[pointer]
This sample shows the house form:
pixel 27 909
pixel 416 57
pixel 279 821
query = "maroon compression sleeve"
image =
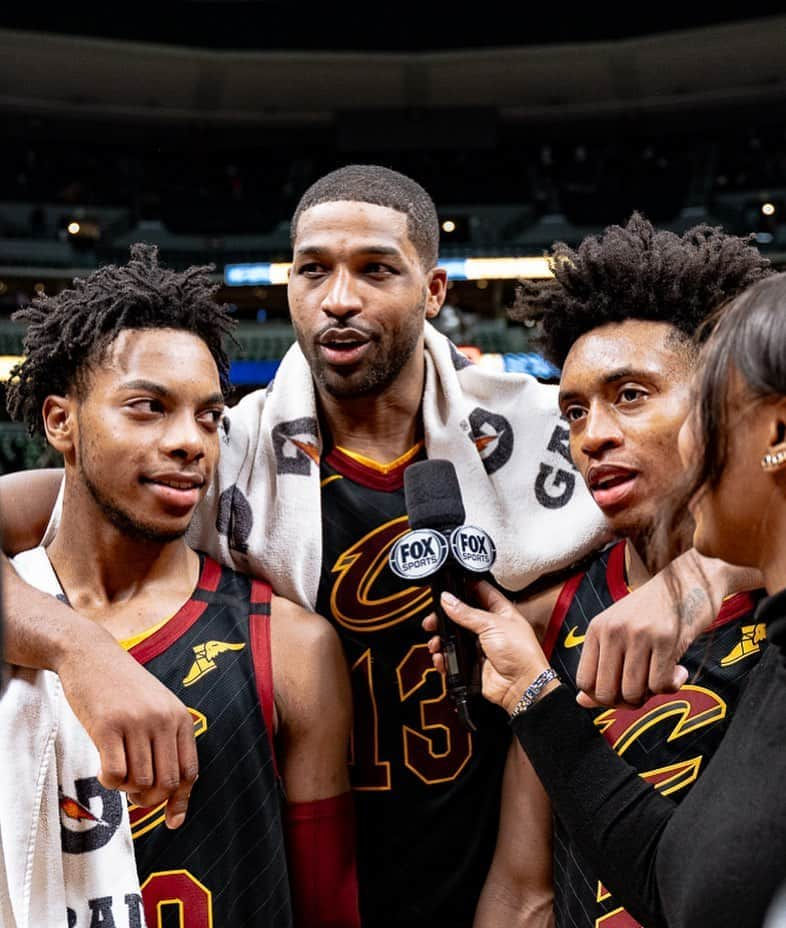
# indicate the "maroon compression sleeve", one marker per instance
pixel 320 839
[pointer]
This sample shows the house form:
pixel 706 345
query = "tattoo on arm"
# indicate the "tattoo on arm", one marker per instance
pixel 692 604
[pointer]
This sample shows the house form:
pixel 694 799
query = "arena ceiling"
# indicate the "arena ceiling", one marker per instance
pixel 261 64
pixel 402 26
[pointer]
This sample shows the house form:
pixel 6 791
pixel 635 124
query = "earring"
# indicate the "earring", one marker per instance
pixel 773 461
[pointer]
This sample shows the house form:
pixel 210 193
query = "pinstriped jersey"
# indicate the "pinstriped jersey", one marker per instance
pixel 226 864
pixel 669 739
pixel 426 790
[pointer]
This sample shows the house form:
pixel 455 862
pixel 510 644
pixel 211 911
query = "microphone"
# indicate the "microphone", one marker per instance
pixel 441 547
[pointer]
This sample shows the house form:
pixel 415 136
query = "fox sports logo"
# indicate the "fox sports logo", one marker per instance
pixel 418 554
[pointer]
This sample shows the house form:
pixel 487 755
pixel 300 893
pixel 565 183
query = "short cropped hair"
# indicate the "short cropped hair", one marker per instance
pixel 371 183
pixel 69 334
pixel 637 272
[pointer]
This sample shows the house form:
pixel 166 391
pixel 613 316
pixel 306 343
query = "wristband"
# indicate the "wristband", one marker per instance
pixel 533 691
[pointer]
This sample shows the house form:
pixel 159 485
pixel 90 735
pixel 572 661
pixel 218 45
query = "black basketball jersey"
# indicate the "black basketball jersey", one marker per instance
pixel 226 865
pixel 426 790
pixel 669 739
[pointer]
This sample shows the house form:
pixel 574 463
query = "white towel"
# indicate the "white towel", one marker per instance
pixel 65 841
pixel 502 431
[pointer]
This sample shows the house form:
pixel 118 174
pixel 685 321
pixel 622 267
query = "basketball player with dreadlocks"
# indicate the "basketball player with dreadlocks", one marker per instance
pixel 125 376
pixel 619 318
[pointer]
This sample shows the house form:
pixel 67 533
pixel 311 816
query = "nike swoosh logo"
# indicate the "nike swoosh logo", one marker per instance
pixel 572 640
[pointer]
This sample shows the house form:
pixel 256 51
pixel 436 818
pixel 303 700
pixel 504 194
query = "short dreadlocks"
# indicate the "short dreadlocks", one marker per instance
pixel 636 272
pixel 69 334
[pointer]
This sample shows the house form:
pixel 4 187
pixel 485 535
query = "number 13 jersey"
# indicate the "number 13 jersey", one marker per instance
pixel 426 790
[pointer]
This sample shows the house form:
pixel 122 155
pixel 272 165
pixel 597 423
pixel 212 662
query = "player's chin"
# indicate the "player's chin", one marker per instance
pixel 625 521
pixel 163 530
pixel 346 383
pixel 165 538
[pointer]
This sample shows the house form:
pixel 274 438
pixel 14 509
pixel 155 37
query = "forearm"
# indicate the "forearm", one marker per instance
pixel 633 648
pixel 518 890
pixel 697 586
pixel 615 818
pixel 728 579
pixel 500 904
pixel 39 631
pixel 143 733
pixel 701 585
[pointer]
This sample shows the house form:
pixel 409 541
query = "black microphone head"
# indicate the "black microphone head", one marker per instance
pixel 433 495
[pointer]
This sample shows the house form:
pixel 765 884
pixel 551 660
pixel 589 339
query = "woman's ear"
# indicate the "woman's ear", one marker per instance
pixel 774 458
pixel 59 415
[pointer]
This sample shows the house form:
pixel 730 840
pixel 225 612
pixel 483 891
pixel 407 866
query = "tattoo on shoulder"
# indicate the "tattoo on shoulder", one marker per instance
pixel 691 605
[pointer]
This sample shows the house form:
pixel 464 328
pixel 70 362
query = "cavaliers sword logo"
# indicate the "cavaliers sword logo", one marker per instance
pixel 360 599
pixel 206 654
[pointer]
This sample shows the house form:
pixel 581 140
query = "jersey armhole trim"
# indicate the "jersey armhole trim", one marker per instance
pixel 616 580
pixel 734 607
pixel 261 655
pixel 559 612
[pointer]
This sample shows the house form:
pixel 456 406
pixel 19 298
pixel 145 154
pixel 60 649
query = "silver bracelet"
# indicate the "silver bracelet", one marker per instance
pixel 533 691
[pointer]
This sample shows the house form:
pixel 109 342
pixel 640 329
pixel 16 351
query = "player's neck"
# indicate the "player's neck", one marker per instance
pixel 381 426
pixel 636 571
pixel 104 571
pixel 773 561
pixel 649 552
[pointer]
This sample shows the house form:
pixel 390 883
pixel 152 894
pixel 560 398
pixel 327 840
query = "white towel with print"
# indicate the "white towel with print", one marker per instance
pixel 502 431
pixel 65 841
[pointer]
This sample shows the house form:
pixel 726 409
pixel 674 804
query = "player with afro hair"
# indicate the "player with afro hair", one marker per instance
pixel 619 318
pixel 637 272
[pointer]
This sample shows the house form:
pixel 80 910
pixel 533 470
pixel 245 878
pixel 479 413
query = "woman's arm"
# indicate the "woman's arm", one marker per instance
pixel 615 818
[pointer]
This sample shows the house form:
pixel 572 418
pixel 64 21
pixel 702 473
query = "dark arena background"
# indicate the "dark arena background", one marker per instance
pixel 198 125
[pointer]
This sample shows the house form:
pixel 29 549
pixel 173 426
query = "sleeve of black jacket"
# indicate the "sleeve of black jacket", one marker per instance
pixel 615 817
